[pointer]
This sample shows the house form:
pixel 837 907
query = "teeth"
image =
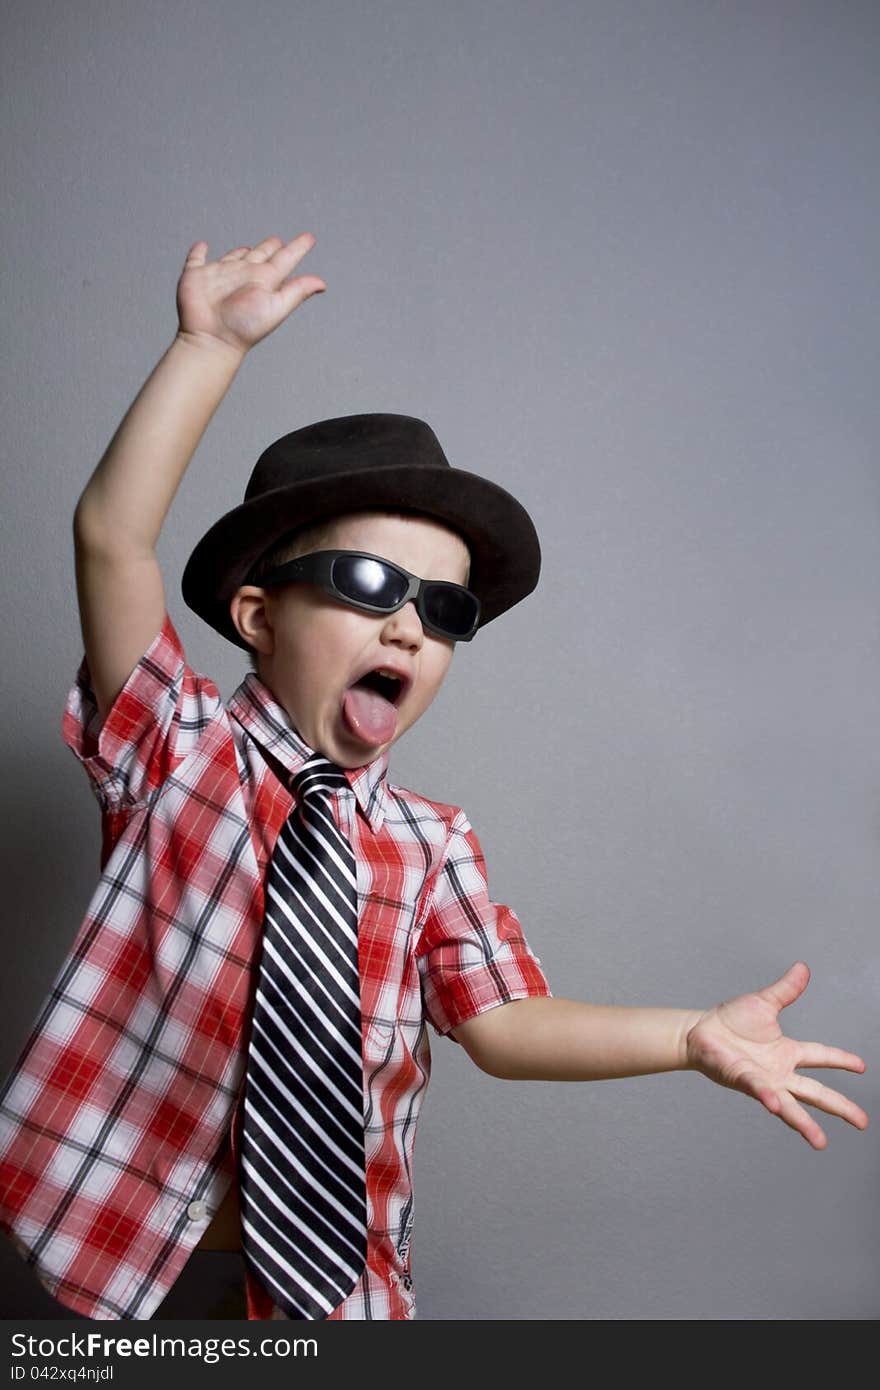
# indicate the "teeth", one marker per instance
pixel 383 671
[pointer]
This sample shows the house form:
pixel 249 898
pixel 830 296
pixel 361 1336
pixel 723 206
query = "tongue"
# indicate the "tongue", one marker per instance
pixel 369 715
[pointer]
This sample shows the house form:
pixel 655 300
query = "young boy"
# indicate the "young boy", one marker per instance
pixel 235 1049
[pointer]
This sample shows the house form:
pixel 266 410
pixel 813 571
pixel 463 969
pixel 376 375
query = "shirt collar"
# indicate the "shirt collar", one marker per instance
pixel 256 709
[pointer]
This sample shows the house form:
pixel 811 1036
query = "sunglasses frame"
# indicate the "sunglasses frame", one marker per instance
pixel 317 568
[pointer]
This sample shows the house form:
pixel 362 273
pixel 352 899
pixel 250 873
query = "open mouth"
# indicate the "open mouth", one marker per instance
pixel 385 683
pixel 369 705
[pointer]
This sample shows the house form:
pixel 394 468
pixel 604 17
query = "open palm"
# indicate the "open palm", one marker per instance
pixel 740 1044
pixel 244 295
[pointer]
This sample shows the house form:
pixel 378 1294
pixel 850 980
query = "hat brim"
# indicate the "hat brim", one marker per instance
pixel 505 552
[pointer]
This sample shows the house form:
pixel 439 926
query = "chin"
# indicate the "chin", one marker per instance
pixel 349 753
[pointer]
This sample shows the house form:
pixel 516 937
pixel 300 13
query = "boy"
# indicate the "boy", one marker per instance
pixel 267 895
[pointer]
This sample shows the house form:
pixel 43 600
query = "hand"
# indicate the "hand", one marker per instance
pixel 741 1045
pixel 242 297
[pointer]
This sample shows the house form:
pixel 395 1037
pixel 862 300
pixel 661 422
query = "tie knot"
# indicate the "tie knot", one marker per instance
pixel 316 777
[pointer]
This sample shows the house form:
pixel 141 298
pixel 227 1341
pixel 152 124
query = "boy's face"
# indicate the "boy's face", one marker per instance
pixel 313 648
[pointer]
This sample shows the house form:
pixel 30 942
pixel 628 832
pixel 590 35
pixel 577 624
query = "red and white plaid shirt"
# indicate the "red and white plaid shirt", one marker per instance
pixel 120 1122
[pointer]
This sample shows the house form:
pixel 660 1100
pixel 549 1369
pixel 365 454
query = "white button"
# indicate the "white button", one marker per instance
pixel 197 1211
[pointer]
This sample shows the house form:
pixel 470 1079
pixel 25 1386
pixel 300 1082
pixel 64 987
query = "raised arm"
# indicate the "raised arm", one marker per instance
pixel 224 308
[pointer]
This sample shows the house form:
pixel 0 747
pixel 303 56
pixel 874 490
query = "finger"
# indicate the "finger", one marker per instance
pixel 784 1105
pixel 801 1120
pixel 264 249
pixel 808 1089
pixel 754 1085
pixel 287 257
pixel 820 1055
pixel 197 253
pixel 237 254
pixel 296 291
pixel 788 987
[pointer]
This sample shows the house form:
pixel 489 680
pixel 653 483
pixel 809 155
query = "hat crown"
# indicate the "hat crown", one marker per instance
pixel 345 444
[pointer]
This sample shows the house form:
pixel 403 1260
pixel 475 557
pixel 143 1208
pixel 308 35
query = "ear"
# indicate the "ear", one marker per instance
pixel 250 610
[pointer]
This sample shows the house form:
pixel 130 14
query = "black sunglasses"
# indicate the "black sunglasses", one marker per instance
pixel 377 586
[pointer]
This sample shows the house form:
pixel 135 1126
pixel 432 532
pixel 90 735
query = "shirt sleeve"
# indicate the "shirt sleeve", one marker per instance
pixel 155 721
pixel 472 953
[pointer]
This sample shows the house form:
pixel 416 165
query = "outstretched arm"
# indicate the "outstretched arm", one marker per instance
pixel 738 1044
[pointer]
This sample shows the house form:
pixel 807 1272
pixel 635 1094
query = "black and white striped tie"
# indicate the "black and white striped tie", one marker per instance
pixel 303 1180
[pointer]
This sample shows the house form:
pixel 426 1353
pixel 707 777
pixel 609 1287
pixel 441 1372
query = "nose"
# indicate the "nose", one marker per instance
pixel 404 628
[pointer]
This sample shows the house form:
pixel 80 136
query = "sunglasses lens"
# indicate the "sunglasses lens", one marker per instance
pixel 452 610
pixel 368 581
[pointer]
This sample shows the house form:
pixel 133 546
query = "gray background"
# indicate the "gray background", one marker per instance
pixel 622 257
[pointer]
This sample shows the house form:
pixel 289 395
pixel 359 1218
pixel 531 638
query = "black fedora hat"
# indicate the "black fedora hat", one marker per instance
pixel 354 463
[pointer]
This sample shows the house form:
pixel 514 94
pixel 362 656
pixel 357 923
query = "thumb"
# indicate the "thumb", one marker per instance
pixel 789 986
pixel 197 253
pixel 294 292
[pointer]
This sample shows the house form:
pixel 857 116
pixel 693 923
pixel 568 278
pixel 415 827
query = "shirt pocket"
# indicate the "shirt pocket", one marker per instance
pixel 379 1045
pixel 378 1042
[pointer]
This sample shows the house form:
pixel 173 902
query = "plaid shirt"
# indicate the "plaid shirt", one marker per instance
pixel 120 1122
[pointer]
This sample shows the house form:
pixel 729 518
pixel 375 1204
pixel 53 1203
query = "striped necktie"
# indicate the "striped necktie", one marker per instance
pixel 303 1173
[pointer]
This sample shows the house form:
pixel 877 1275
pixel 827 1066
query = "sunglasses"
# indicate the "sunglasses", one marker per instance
pixel 376 586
